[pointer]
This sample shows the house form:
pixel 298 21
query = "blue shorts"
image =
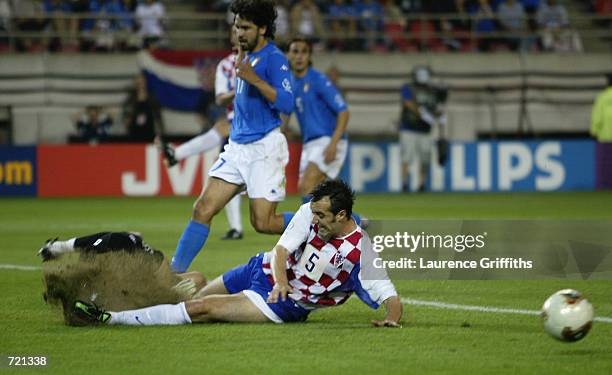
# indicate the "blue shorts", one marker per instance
pixel 251 277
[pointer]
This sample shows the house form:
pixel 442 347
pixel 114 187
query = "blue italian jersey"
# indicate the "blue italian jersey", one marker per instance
pixel 254 115
pixel 317 104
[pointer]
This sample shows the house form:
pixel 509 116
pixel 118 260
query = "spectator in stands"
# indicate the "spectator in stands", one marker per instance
pixel 511 16
pixel 93 126
pixel 445 24
pixel 282 23
pixel 89 26
pixel 306 21
pixel 57 12
pixel 5 20
pixel 114 29
pixel 370 22
pixel 150 16
pixel 601 115
pixel 28 19
pixel 79 8
pixel 531 6
pixel 106 26
pixel 343 26
pixel 128 39
pixel 554 25
pixel 531 9
pixel 394 26
pixel 485 23
pixel 603 7
pixel 142 112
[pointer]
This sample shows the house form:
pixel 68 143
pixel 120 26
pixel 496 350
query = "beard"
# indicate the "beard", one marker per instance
pixel 250 45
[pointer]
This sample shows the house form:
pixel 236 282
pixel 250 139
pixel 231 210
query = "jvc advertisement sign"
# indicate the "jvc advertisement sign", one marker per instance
pixel 479 166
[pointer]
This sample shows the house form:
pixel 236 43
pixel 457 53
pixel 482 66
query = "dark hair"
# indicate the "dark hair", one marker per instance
pixel 301 39
pixel 341 196
pixel 609 79
pixel 260 12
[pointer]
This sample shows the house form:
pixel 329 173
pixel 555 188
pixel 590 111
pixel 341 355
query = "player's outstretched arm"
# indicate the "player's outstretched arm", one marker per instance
pixel 281 285
pixel 394 309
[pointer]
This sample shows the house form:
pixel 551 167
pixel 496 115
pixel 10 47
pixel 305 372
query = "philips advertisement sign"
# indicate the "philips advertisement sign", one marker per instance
pixel 479 166
pixel 137 169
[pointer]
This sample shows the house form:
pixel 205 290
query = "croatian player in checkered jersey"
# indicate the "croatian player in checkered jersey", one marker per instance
pixel 257 153
pixel 316 263
pixel 323 116
pixel 225 84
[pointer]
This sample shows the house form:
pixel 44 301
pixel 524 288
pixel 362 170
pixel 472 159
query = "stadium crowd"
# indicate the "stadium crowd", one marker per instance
pixel 343 25
pixel 85 25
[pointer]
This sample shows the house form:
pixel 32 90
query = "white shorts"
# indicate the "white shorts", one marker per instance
pixel 313 152
pixel 259 165
pixel 415 145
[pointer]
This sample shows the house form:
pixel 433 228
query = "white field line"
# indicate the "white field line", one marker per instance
pixel 405 301
pixel 484 309
pixel 19 267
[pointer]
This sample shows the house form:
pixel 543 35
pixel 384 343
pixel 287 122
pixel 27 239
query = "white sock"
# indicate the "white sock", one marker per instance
pixel 232 210
pixel 199 144
pixel 59 247
pixel 154 315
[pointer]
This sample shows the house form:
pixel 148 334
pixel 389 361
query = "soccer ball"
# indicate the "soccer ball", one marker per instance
pixel 567 315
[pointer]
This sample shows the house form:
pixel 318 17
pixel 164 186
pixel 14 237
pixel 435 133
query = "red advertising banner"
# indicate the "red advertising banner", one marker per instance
pixel 127 170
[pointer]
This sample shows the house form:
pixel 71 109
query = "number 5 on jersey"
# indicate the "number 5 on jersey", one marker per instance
pixel 313 262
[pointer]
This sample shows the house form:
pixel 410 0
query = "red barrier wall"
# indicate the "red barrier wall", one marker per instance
pixel 126 170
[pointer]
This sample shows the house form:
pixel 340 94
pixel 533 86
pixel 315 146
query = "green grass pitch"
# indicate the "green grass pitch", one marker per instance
pixel 338 340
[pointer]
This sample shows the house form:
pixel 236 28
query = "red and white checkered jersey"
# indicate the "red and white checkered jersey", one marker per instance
pixel 225 79
pixel 325 273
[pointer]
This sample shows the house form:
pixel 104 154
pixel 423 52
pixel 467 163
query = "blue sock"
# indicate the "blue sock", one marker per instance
pixel 193 238
pixel 287 216
pixel 357 218
pixel 306 199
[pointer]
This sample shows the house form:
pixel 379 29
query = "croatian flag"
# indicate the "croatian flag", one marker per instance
pixel 181 80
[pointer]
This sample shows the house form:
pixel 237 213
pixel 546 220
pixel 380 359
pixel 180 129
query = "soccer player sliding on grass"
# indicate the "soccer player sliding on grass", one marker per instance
pixel 130 245
pixel 316 263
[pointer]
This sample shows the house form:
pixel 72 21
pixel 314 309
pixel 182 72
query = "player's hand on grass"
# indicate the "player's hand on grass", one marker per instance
pixel 386 323
pixel 330 153
pixel 279 290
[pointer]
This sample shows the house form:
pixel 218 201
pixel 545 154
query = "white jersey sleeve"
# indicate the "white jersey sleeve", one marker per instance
pixel 378 291
pixel 372 286
pixel 222 84
pixel 297 230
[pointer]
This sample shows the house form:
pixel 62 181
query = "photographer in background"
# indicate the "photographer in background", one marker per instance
pixel 142 112
pixel 93 125
pixel 422 110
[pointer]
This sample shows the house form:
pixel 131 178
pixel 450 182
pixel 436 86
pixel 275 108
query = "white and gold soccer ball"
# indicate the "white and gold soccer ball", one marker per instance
pixel 567 315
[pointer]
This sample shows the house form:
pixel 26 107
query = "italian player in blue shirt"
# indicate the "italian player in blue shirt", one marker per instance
pixel 257 153
pixel 323 117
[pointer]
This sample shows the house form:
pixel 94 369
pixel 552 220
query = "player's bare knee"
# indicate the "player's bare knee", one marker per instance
pixel 205 309
pixel 262 225
pixel 305 188
pixel 202 211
